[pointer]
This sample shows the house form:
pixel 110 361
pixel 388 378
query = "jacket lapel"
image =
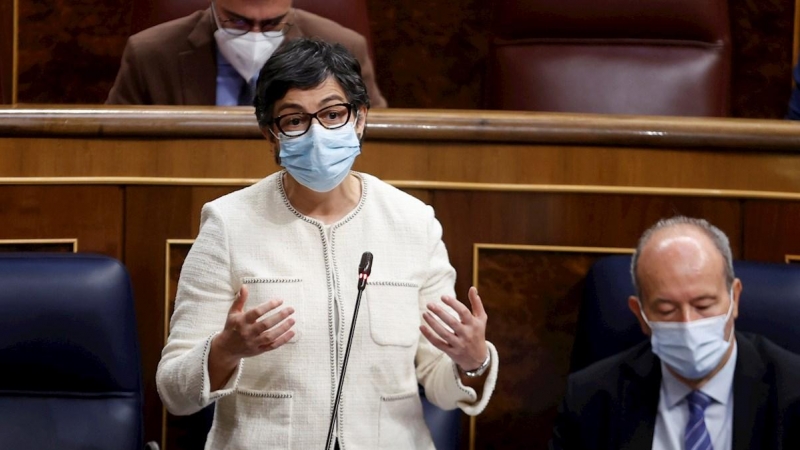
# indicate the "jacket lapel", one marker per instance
pixel 198 65
pixel 750 394
pixel 639 401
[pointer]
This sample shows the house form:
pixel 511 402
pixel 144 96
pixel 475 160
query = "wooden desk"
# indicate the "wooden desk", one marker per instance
pixel 527 201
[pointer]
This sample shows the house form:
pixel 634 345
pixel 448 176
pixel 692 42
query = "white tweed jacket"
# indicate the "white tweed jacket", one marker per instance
pixel 283 399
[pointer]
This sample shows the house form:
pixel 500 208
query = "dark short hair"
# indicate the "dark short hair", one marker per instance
pixel 305 63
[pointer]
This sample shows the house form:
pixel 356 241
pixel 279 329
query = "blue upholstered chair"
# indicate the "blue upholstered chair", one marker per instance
pixel 769 306
pixel 69 354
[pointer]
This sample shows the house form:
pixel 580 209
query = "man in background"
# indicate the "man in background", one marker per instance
pixel 213 57
pixel 697 383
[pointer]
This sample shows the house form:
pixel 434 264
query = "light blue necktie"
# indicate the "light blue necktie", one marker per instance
pixel 697 437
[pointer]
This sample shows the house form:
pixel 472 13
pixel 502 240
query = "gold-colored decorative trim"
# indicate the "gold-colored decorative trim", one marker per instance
pixel 169 243
pixel 477 247
pixel 73 241
pixel 595 189
pixel 419 184
pixel 792 259
pixel 14 51
pixel 165 181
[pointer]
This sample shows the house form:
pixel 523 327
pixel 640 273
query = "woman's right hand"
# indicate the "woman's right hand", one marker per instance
pixel 245 335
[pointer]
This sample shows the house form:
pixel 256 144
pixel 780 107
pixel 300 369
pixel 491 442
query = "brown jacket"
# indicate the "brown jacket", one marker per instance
pixel 174 63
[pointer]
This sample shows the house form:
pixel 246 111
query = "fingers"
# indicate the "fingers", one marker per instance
pixel 247 334
pixel 453 322
pixel 282 339
pixel 463 313
pixel 277 336
pixel 443 333
pixel 255 313
pixel 262 326
pixel 476 303
pixel 239 301
pixel 435 340
pixel 466 344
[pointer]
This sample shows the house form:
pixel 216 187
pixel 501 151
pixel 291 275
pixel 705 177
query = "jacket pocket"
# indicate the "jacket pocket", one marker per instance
pixel 394 315
pixel 290 290
pixel 401 424
pixel 258 419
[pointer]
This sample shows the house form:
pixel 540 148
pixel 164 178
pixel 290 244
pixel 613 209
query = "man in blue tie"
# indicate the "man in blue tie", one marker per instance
pixel 697 384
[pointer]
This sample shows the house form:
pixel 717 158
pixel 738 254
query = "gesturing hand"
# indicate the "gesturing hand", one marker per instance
pixel 466 344
pixel 245 335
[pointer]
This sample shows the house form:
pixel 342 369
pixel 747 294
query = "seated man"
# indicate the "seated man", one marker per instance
pixel 213 57
pixel 697 383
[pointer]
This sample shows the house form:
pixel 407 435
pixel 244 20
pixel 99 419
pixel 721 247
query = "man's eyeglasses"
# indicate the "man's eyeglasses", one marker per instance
pixel 297 124
pixel 238 25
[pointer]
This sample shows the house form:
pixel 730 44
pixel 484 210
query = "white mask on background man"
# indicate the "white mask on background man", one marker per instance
pixel 692 349
pixel 247 53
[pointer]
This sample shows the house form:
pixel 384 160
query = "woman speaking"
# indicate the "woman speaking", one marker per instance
pixel 267 293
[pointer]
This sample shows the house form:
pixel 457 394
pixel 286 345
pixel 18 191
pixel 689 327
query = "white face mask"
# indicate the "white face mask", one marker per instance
pixel 247 53
pixel 692 349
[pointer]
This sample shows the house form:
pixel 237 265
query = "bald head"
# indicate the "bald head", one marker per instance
pixel 680 248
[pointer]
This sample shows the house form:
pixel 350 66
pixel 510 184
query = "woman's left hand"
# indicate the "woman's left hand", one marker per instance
pixel 466 344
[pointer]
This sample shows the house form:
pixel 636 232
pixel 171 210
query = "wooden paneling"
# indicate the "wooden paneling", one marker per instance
pixel 7 50
pixel 542 151
pixel 428 54
pixel 39 245
pixel 101 176
pixel 523 218
pixel 90 214
pixel 772 230
pixel 50 157
pixel 532 297
pixel 152 216
pixel 762 44
pixel 70 50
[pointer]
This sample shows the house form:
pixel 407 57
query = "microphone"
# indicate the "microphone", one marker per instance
pixel 364 270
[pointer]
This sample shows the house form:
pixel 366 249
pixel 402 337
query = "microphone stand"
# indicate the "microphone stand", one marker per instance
pixel 363 273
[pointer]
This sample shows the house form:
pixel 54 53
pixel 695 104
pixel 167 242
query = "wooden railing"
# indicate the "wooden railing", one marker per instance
pixel 527 202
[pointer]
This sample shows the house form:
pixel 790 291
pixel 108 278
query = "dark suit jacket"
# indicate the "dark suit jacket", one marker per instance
pixel 174 63
pixel 613 403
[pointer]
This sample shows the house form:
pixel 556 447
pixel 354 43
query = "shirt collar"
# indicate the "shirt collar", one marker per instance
pixel 718 388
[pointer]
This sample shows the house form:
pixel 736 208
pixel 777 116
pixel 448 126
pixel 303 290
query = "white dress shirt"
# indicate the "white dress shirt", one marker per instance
pixel 673 410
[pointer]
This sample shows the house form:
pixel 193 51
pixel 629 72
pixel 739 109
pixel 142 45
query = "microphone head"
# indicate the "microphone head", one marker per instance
pixel 366 264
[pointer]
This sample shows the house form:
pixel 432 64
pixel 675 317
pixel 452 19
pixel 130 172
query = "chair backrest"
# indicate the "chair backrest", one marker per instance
pixel 769 306
pixel 69 354
pixel 657 57
pixel 348 13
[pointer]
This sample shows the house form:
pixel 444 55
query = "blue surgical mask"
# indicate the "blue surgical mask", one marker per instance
pixel 692 349
pixel 320 159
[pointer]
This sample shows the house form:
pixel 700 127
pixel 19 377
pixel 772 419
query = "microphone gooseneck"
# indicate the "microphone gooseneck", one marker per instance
pixel 364 270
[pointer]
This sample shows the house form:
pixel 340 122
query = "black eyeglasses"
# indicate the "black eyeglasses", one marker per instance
pixel 239 26
pixel 297 124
